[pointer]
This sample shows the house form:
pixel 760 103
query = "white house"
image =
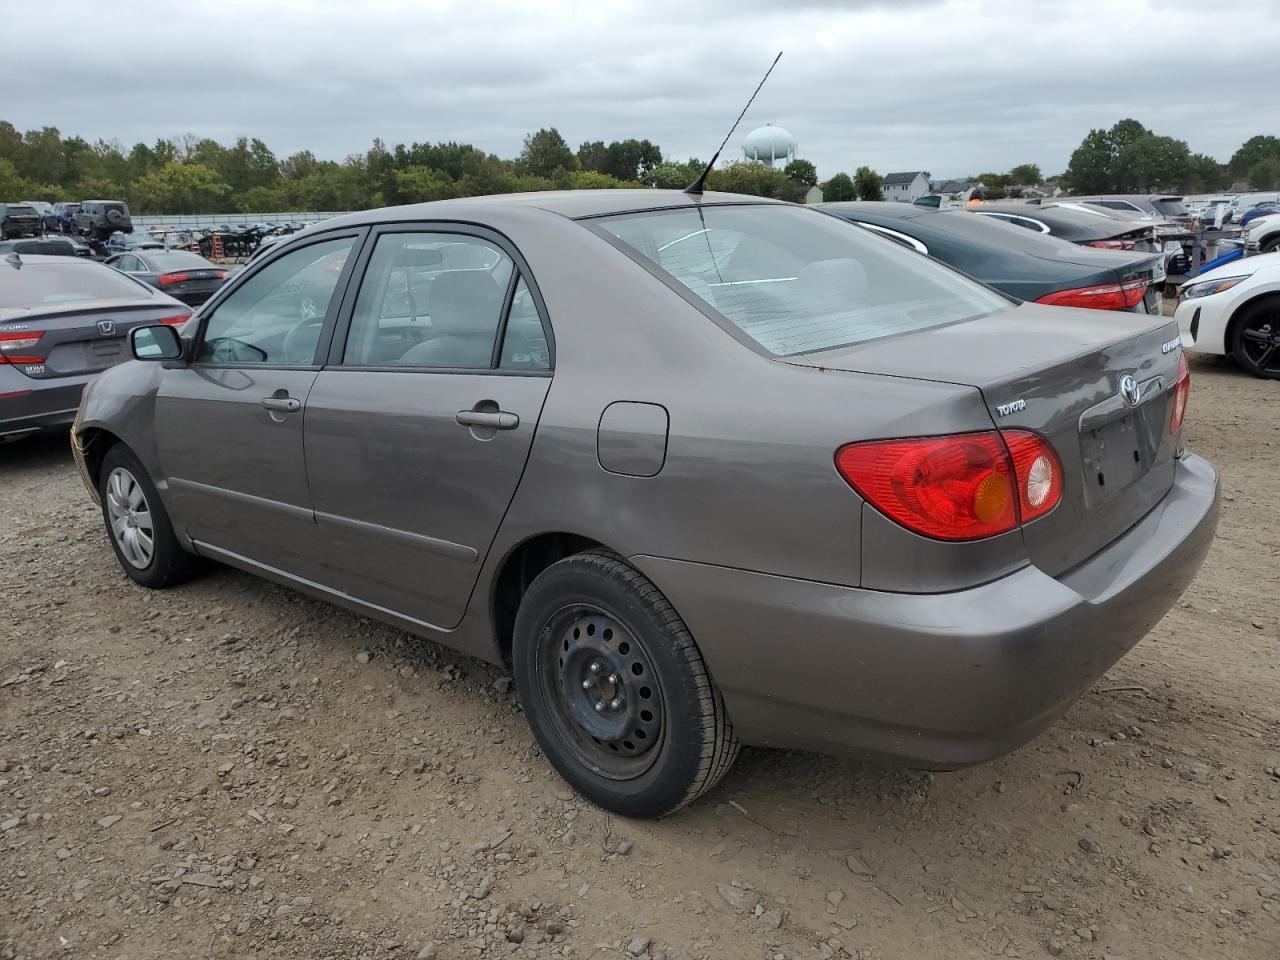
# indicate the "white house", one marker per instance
pixel 906 186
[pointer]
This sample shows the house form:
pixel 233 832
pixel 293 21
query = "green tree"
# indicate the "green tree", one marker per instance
pixel 839 188
pixel 1151 162
pixel 420 184
pixel 298 165
pixel 1252 152
pixel 802 171
pixel 750 177
pixel 1090 167
pixel 1026 175
pixel 14 186
pixel 265 200
pixel 181 188
pixel 997 184
pixel 544 153
pixel 630 159
pixel 1265 174
pixel 671 175
pixel 868 183
pixel 594 180
pixel 10 141
pixel 41 157
pixel 1204 174
pixel 593 155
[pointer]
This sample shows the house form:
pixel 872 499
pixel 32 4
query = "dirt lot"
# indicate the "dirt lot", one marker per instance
pixel 230 770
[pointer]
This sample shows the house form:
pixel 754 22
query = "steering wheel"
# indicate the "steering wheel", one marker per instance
pixel 299 344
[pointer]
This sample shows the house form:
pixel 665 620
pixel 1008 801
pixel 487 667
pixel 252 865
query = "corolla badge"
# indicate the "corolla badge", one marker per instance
pixel 1129 390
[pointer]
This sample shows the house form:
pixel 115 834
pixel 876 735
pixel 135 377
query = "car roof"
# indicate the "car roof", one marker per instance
pixel 573 204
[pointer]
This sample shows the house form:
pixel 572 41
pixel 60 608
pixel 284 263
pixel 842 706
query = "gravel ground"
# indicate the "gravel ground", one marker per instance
pixel 231 770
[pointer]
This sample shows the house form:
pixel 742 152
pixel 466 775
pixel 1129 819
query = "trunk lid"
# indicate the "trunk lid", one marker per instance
pixel 86 339
pixel 1058 372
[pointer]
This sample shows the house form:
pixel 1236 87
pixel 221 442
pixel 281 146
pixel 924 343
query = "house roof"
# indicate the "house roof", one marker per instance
pixel 906 177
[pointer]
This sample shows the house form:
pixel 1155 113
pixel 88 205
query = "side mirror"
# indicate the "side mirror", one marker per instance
pixel 159 342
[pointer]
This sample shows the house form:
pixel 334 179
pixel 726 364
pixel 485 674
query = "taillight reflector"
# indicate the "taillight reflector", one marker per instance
pixel 962 487
pixel 1111 244
pixel 1181 393
pixel 14 345
pixel 1106 296
pixel 175 321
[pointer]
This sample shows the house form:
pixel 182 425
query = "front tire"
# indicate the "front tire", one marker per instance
pixel 138 526
pixel 1272 245
pixel 1255 339
pixel 615 690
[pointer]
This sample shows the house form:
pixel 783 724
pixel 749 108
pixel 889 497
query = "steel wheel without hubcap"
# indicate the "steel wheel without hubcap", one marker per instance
pixel 130 516
pixel 601 691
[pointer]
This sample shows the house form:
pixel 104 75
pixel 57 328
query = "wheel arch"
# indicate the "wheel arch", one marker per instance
pixel 518 569
pixel 1237 315
pixel 93 444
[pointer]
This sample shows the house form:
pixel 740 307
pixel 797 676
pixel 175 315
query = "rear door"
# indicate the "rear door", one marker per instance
pixel 418 430
pixel 229 424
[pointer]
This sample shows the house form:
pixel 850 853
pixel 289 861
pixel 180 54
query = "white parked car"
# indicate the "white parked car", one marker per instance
pixel 1264 233
pixel 1234 310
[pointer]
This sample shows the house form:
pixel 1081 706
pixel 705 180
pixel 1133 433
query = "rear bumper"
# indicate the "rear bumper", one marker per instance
pixel 28 405
pixel 936 680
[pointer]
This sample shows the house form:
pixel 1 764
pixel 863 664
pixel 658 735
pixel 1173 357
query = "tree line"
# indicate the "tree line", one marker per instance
pixel 1129 158
pixel 188 175
pixel 200 175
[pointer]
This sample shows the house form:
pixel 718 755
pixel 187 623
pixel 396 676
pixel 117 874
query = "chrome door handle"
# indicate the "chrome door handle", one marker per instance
pixel 498 419
pixel 283 404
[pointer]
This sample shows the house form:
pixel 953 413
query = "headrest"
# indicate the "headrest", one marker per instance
pixel 465 301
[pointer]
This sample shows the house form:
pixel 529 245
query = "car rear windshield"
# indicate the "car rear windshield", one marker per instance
pixel 798 281
pixel 18 210
pixel 179 259
pixel 51 283
pixel 1173 207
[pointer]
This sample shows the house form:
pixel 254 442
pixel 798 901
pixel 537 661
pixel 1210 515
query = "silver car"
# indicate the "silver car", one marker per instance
pixel 701 471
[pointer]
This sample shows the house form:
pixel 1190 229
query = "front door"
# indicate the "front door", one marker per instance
pixel 418 433
pixel 229 425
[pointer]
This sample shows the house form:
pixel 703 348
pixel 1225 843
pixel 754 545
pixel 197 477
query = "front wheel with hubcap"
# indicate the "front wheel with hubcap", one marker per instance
pixel 1255 343
pixel 138 525
pixel 616 691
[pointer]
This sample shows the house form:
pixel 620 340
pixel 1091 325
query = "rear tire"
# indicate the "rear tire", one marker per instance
pixel 1272 245
pixel 616 691
pixel 138 525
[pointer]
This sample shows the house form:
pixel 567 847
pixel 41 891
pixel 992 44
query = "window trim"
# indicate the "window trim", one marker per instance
pixel 1000 215
pixel 357 235
pixel 342 330
pixel 900 238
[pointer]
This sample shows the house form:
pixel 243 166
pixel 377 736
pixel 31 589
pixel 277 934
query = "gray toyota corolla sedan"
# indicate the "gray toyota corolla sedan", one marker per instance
pixel 700 470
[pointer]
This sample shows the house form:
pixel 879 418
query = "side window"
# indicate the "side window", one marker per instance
pixel 126 263
pixel 277 315
pixel 525 345
pixel 429 300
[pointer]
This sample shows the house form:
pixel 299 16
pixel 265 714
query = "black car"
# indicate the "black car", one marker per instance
pixel 63 320
pixel 183 275
pixel 19 220
pixel 1024 264
pixel 1103 229
pixel 98 219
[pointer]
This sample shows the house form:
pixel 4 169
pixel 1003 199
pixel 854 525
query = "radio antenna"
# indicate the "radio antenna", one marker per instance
pixel 695 188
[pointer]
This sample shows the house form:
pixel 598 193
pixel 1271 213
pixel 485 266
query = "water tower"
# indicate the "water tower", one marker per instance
pixel 769 143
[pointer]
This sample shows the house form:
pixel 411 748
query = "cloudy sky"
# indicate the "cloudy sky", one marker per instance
pixel 952 86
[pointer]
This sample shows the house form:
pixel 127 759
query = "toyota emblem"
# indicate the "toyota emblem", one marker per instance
pixel 106 327
pixel 1129 391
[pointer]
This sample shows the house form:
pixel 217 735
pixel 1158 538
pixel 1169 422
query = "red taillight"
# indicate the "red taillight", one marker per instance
pixel 16 344
pixel 1111 244
pixel 962 487
pixel 220 275
pixel 1181 392
pixel 1107 296
pixel 167 278
pixel 175 321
